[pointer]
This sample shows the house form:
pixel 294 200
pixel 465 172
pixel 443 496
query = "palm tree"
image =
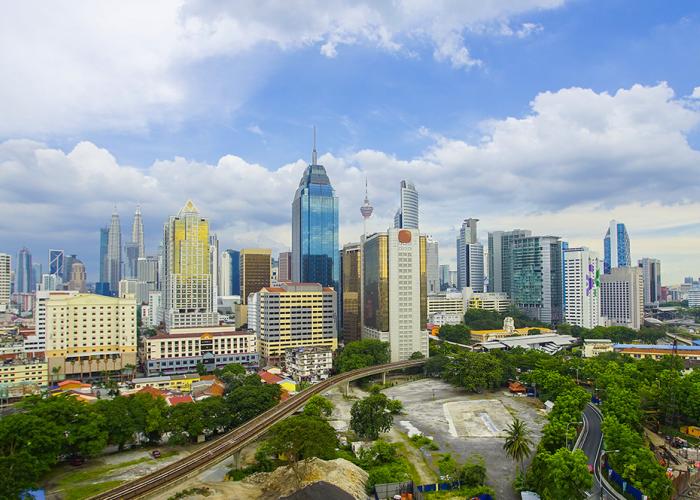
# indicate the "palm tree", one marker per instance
pixel 55 371
pixel 518 444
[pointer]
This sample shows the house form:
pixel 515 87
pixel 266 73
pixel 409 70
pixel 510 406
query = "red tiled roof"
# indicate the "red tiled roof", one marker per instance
pixel 156 393
pixel 176 400
pixel 216 389
pixel 269 378
pixel 284 396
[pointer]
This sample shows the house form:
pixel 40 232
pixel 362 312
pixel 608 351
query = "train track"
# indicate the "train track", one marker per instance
pixel 239 437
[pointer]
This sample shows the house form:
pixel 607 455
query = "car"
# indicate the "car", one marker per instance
pixel 155 453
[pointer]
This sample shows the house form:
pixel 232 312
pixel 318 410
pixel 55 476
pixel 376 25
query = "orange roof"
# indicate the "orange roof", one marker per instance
pixel 216 389
pixel 176 400
pixel 156 393
pixel 269 378
pixel 284 396
pixel 70 384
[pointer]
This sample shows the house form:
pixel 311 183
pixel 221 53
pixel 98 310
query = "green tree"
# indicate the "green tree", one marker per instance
pixel 370 416
pixel 318 406
pixel 362 353
pixel 566 476
pixel 473 472
pixel 459 334
pixel 448 467
pixel 518 444
pixel 417 355
pixel 474 371
pixel 248 401
pixel 121 427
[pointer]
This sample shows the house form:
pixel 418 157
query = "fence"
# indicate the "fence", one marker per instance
pixel 388 490
pixel 625 486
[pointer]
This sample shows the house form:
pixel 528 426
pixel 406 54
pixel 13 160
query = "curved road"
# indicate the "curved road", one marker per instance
pixel 234 440
pixel 591 442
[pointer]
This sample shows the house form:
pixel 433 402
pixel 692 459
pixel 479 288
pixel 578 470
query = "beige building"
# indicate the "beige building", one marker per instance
pixel 309 364
pixel 87 334
pixel 622 297
pixel 489 301
pixel 593 347
pixel 15 372
pixel 446 302
pixel 293 315
pixel 5 281
pixel 255 270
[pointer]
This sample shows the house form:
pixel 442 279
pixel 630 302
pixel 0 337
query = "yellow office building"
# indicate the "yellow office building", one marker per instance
pixel 88 334
pixel 293 315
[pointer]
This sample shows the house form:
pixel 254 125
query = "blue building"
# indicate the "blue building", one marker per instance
pixel 56 262
pixel 315 228
pixel 231 272
pixel 104 238
pixel 24 276
pixel 616 247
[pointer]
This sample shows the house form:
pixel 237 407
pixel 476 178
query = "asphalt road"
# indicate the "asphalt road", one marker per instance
pixel 591 445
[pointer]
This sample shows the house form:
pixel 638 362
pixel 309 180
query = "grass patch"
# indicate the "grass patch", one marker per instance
pixel 78 492
pixel 205 492
pixel 460 493
pixel 419 440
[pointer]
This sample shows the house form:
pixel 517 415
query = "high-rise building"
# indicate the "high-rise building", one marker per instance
pixel 24 282
pixel 536 280
pixel 5 281
pixel 36 275
pixel 214 269
pixel 293 315
pixel 470 258
pixel 622 297
pixel 230 272
pixel 352 293
pixel 50 282
pixel 407 215
pixel 187 273
pixel 72 326
pixel 651 273
pixel 445 282
pixel 131 256
pixel 616 246
pixel 284 272
pixel 315 228
pixel 37 343
pixel 499 250
pixel 68 267
pixel 114 253
pixel 395 291
pixel 104 250
pixel 137 233
pixel 255 270
pixel 433 263
pixel 147 272
pixel 78 277
pixel 582 270
pixel 56 263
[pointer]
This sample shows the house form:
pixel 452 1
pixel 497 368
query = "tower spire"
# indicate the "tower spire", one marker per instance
pixel 314 154
pixel 366 210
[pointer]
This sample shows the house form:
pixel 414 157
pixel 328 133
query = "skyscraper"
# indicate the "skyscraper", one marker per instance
pixel 470 258
pixel 56 263
pixel 78 277
pixel 407 214
pixel 68 267
pixel 395 291
pixel 230 272
pixel 536 281
pixel 284 272
pixel 5 281
pixel 36 275
pixel 351 282
pixel 255 270
pixel 622 297
pixel 315 228
pixel 616 246
pixel 147 272
pixel 445 282
pixel 187 273
pixel 500 244
pixel 433 265
pixel 214 269
pixel 582 272
pixel 137 233
pixel 24 282
pixel 131 256
pixel 104 246
pixel 651 273
pixel 114 253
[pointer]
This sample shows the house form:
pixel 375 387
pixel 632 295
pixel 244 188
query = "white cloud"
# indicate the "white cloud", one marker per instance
pixel 122 65
pixel 254 129
pixel 696 93
pixel 576 160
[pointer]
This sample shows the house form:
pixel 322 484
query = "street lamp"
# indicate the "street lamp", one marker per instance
pixel 566 432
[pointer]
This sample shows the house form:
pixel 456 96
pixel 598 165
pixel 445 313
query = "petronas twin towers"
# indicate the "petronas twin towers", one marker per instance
pixel 111 250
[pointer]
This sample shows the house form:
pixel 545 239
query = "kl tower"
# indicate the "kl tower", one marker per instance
pixel 366 210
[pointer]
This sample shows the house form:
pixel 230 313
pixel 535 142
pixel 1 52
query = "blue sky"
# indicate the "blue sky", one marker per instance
pixel 550 114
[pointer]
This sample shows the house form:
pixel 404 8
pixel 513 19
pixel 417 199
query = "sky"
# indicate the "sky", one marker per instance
pixel 549 115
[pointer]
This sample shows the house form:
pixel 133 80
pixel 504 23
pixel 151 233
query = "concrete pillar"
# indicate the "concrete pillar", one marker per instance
pixel 237 459
pixel 383 378
pixel 347 388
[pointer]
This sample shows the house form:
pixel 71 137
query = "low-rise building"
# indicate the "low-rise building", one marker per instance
pixel 286 384
pixel 489 301
pixel 309 364
pixel 446 302
pixel 593 347
pixel 180 350
pixel 690 354
pixel 445 318
pixel 182 383
pixel 24 372
pixel 549 343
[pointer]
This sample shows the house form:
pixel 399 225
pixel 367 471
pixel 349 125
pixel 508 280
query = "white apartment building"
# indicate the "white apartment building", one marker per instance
pixel 37 343
pixel 622 297
pixel 488 301
pixel 395 298
pixel 446 302
pixel 582 271
pixel 180 350
pixel 5 281
pixel 309 364
pixel 445 318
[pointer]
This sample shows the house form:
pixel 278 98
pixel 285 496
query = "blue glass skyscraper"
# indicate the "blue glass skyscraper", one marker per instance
pixel 616 247
pixel 315 228
pixel 24 278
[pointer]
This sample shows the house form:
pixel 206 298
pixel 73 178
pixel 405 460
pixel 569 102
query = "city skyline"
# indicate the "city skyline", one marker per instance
pixel 522 118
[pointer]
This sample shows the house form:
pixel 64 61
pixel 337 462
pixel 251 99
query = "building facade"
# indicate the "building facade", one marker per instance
pixel 536 277
pixel 433 263
pixel 309 364
pixel 470 258
pixel 315 226
pixel 5 281
pixel 582 270
pixel 622 297
pixel 56 262
pixel 23 272
pixel 30 372
pixel 499 258
pixel 284 272
pixel 187 271
pixel 407 215
pixel 352 293
pixel 182 349
pixel 395 291
pixel 446 302
pixel 616 247
pixel 489 301
pixel 114 253
pixel 293 315
pixel 255 270
pixel 87 334
pixel 651 274
pixel 78 277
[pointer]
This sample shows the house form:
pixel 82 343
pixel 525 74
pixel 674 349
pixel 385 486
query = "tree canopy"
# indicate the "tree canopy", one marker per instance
pixel 371 416
pixel 361 354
